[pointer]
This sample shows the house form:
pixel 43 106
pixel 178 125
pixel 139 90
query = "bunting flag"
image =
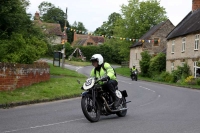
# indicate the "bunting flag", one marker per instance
pixel 111 37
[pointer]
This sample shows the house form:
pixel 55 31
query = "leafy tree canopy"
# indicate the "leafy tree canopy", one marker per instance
pixel 135 19
pixel 108 26
pixel 20 41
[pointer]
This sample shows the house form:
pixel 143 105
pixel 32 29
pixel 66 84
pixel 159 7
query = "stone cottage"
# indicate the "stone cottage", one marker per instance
pixel 52 30
pixel 183 42
pixel 154 41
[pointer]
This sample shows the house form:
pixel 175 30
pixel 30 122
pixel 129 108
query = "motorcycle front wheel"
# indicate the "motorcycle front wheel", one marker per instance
pixel 90 111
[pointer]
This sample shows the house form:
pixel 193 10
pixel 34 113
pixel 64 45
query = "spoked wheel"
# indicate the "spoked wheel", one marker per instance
pixel 123 105
pixel 91 112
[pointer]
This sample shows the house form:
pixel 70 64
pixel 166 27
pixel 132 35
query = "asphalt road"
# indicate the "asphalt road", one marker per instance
pixel 155 108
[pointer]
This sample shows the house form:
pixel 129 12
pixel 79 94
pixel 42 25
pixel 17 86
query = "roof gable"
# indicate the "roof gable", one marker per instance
pixel 98 39
pixel 190 24
pixel 149 33
pixel 80 39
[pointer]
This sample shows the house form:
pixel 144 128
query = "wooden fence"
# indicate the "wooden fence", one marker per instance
pixel 125 63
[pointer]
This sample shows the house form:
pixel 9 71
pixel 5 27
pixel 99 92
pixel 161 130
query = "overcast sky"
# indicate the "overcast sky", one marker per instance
pixel 92 13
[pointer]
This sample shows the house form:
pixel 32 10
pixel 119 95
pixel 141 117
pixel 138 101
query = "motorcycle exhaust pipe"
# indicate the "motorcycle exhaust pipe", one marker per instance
pixel 112 111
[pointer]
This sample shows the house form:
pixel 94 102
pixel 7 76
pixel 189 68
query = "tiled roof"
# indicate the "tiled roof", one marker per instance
pixel 148 34
pixel 50 28
pixel 81 41
pixel 54 28
pixel 98 39
pixel 82 38
pixel 190 24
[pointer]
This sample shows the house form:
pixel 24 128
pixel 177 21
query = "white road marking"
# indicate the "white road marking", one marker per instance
pixel 16 130
pixel 77 68
pixel 147 88
pixel 124 82
pixel 150 102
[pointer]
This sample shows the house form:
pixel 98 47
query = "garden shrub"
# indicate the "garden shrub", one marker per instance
pixel 190 80
pixel 198 81
pixel 157 64
pixel 181 72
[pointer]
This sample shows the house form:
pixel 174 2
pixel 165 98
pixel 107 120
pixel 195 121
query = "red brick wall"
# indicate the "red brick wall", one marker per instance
pixel 195 4
pixel 13 76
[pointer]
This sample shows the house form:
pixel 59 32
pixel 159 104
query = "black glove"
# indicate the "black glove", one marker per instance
pixel 105 78
pixel 82 88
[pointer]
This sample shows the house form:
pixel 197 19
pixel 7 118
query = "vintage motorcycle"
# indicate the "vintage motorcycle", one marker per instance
pixel 96 102
pixel 134 75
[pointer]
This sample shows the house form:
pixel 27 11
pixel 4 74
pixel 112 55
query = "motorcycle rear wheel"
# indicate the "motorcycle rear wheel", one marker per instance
pixel 90 112
pixel 123 112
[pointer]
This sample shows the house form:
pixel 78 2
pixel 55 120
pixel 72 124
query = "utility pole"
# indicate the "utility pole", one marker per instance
pixel 63 41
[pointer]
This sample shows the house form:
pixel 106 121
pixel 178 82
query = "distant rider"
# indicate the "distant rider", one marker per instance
pixel 133 69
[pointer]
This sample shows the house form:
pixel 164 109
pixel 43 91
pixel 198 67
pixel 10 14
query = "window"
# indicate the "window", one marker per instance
pixel 197 69
pixel 183 44
pixel 196 44
pixel 156 43
pixel 89 43
pixel 173 45
pixel 172 66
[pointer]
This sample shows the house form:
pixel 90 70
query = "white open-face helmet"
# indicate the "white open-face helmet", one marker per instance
pixel 98 58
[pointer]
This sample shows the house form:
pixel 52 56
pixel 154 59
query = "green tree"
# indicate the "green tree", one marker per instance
pixel 79 26
pixel 108 26
pixel 44 7
pixel 13 18
pixel 55 15
pixel 20 41
pixel 144 63
pixel 157 64
pixel 138 18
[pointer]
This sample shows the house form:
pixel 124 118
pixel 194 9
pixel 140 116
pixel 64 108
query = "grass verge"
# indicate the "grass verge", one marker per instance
pixel 63 84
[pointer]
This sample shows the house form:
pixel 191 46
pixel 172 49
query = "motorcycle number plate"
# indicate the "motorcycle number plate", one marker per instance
pixel 88 83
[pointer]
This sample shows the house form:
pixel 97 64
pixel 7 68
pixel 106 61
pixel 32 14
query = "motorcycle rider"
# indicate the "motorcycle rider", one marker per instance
pixel 103 70
pixel 133 69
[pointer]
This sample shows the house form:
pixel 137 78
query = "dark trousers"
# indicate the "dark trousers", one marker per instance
pixel 110 86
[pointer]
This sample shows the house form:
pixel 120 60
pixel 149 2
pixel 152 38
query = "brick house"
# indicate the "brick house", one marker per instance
pixel 154 41
pixel 183 42
pixel 53 30
pixel 85 40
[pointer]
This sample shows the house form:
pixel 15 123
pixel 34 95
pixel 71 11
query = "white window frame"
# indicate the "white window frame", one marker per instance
pixel 183 44
pixel 172 66
pixel 196 42
pixel 173 46
pixel 195 68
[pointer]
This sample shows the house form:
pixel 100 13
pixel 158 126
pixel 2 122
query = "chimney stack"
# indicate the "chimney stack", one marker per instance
pixel 195 5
